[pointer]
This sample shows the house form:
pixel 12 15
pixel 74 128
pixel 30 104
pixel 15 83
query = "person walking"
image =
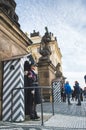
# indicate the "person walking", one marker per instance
pixel 85 78
pixel 84 92
pixel 63 95
pixel 68 91
pixel 78 92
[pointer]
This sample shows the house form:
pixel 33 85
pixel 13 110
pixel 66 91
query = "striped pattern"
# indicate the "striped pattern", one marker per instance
pixel 57 91
pixel 13 79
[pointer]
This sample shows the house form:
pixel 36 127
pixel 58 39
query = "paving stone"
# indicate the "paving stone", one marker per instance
pixel 66 117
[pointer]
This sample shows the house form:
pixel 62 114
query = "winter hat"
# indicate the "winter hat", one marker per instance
pixel 26 65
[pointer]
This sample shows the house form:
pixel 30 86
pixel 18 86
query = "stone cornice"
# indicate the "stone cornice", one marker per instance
pixel 12 27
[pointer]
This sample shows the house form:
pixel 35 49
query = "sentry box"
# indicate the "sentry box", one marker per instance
pixel 13 106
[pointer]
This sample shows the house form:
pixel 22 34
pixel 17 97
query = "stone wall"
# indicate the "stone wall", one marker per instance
pixel 0 87
pixel 46 75
pixel 13 43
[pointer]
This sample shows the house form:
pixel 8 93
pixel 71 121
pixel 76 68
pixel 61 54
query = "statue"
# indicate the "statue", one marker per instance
pixel 47 37
pixel 45 49
pixel 8 6
pixel 58 72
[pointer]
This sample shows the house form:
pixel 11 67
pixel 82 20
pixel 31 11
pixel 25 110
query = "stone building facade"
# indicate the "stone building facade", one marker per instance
pixel 13 42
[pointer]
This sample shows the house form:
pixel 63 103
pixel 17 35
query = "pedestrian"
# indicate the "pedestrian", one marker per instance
pixel 63 95
pixel 85 92
pixel 85 78
pixel 74 91
pixel 68 91
pixel 81 94
pixel 78 92
pixel 73 95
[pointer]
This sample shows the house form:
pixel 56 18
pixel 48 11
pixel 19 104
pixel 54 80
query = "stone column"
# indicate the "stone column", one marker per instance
pixel 45 67
pixel 46 73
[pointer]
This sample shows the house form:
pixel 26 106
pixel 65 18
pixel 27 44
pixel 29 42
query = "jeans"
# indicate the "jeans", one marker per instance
pixel 68 98
pixel 78 97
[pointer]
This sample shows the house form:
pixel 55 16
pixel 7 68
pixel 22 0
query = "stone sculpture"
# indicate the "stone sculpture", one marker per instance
pixel 8 6
pixel 45 49
pixel 58 72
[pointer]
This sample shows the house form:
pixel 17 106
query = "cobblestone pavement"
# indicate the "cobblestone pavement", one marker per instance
pixel 66 117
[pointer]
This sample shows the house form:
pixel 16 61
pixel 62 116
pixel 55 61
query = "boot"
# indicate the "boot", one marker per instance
pixel 36 116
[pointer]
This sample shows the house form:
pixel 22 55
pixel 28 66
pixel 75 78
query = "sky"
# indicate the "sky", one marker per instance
pixel 66 19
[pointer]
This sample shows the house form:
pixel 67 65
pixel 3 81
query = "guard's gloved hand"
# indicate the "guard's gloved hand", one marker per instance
pixel 33 92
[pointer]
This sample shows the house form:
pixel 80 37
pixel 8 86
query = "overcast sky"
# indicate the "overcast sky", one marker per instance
pixel 66 19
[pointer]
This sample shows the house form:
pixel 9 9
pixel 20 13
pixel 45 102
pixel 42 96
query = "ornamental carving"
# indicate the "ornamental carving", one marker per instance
pixel 45 49
pixel 8 6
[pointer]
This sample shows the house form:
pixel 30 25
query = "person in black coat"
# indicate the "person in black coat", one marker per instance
pixel 85 78
pixel 28 95
pixel 78 92
pixel 36 91
pixel 32 97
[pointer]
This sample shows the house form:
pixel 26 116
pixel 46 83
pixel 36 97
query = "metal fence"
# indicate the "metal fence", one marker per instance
pixel 15 90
